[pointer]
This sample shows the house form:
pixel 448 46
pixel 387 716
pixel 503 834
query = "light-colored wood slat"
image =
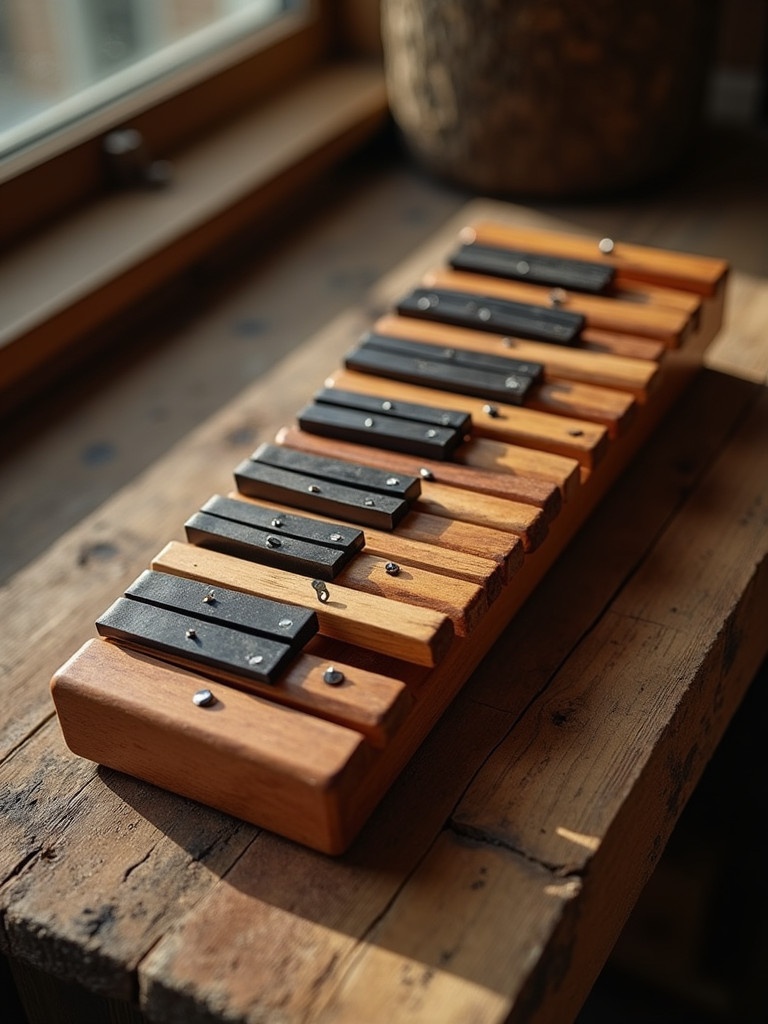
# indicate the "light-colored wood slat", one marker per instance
pixel 530 490
pixel 559 361
pixel 499 457
pixel 624 345
pixel 368 702
pixel 561 435
pixel 462 602
pixel 152 730
pixel 392 546
pixel 703 275
pixel 397 629
pixel 525 521
pixel 639 291
pixel 506 549
pixel 670 326
pixel 614 410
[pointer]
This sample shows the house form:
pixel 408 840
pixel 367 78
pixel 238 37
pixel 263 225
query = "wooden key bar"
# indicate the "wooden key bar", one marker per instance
pixel 560 362
pixel 521 384
pixel 577 439
pixel 489 455
pixel 666 324
pixel 488 574
pixel 701 275
pixel 530 490
pixel 400 630
pixel 462 602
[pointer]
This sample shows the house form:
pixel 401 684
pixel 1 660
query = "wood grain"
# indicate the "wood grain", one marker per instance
pixel 367 620
pixel 660 323
pixel 559 361
pixel 393 546
pixel 701 274
pixel 559 435
pixel 530 490
pixel 489 874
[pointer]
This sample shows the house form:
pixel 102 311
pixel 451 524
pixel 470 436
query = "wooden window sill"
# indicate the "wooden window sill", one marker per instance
pixel 100 261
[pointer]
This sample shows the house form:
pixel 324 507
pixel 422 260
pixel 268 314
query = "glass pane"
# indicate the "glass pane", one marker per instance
pixel 61 59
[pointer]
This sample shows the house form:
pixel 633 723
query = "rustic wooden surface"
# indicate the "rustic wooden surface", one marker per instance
pixel 494 877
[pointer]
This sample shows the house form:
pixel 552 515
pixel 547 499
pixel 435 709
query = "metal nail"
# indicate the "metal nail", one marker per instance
pixel 392 569
pixel 321 590
pixel 203 698
pixel 332 676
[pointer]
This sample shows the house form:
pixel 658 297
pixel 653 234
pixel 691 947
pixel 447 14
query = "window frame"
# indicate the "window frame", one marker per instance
pixel 56 175
pixel 82 259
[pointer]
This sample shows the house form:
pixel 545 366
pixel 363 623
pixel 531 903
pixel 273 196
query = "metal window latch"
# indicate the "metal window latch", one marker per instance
pixel 129 162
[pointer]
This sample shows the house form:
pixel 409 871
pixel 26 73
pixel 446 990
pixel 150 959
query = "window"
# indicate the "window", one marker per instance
pixel 247 123
pixel 60 60
pixel 172 96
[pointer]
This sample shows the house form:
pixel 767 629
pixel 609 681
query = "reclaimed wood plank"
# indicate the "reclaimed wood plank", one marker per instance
pixel 506 866
pixel 277 930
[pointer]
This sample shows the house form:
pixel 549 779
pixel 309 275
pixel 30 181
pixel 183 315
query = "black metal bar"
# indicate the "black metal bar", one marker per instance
pixel 535 268
pixel 500 316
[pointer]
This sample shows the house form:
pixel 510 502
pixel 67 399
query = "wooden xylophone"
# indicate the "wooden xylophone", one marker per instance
pixel 286 661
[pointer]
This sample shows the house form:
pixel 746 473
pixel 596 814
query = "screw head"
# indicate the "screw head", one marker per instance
pixel 203 699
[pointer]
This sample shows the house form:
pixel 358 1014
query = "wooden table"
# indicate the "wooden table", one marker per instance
pixel 492 881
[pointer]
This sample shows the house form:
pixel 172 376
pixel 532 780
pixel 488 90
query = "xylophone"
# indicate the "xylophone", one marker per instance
pixel 285 662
